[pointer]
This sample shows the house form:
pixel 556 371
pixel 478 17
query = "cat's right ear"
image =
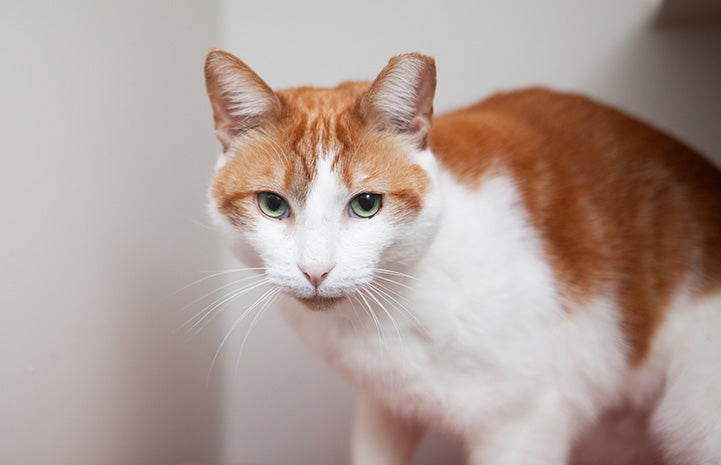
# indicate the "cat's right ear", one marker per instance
pixel 401 98
pixel 241 100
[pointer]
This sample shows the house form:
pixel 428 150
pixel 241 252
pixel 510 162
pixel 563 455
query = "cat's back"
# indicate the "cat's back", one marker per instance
pixel 617 204
pixel 542 127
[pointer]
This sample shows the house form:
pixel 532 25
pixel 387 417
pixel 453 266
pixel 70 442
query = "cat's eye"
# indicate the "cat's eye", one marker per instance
pixel 365 205
pixel 273 206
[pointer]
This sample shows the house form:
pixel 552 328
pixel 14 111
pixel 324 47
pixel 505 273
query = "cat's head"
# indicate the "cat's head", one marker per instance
pixel 325 189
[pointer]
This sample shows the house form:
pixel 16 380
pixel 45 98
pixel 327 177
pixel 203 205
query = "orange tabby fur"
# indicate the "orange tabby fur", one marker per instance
pixel 627 208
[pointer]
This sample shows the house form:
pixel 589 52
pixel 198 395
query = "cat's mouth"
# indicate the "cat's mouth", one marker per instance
pixel 318 303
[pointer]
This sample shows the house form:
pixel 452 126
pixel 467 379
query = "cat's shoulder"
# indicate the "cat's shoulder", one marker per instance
pixel 508 126
pixel 538 108
pixel 540 126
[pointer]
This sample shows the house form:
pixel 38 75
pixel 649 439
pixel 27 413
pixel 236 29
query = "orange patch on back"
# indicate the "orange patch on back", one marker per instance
pixel 620 207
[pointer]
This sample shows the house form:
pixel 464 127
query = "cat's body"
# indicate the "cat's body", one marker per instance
pixel 564 296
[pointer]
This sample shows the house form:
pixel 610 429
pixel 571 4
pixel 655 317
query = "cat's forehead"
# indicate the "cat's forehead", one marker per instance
pixel 320 128
pixel 317 121
pixel 315 101
pixel 283 163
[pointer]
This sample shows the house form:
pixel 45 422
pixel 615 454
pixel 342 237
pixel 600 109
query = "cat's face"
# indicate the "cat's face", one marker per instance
pixel 325 188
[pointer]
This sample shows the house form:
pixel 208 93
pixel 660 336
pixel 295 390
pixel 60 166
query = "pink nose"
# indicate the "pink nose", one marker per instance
pixel 316 274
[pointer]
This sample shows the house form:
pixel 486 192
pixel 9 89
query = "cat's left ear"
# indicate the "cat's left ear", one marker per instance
pixel 241 100
pixel 401 97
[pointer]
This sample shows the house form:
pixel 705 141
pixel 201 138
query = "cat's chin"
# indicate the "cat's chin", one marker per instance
pixel 320 304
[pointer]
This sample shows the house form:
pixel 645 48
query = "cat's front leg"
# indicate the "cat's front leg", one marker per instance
pixel 380 437
pixel 539 436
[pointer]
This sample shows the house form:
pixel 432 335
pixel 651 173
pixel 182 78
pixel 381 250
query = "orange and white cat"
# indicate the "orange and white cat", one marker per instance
pixel 537 274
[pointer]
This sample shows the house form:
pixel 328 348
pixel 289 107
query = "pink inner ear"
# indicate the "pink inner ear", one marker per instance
pixel 241 100
pixel 401 97
pixel 421 125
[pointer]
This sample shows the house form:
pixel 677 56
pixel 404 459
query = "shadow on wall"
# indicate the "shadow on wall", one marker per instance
pixel 172 395
pixel 106 150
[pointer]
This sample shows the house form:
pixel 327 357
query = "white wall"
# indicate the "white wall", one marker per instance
pixel 106 147
pixel 282 406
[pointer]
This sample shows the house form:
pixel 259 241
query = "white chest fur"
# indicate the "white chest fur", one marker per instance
pixel 482 328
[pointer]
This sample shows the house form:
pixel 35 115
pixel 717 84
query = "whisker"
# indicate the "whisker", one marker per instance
pixel 387 288
pixel 198 223
pixel 392 281
pixel 363 139
pixel 394 273
pixel 209 309
pixel 213 275
pixel 277 149
pixel 400 338
pixel 220 300
pixel 273 153
pixel 269 298
pixel 215 290
pixel 356 299
pixel 354 319
pixel 370 294
pixel 399 306
pixel 280 149
pixel 369 311
pixel 242 316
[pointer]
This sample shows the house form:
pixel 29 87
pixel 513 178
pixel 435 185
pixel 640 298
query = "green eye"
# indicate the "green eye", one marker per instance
pixel 273 205
pixel 365 205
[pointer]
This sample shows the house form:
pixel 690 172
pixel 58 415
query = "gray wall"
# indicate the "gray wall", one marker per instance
pixel 106 148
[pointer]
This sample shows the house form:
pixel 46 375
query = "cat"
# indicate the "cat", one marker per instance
pixel 537 274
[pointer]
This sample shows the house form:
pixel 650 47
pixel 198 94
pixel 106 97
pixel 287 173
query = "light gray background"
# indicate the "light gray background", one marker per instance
pixel 106 145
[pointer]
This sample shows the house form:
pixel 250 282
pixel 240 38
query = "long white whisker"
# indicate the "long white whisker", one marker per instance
pixel 392 281
pixel 370 294
pixel 356 299
pixel 280 149
pixel 223 300
pixel 394 273
pixel 184 307
pixel 277 149
pixel 400 338
pixel 363 140
pixel 213 275
pixel 398 305
pixel 354 318
pixel 369 311
pixel 198 223
pixel 390 290
pixel 242 316
pixel 388 294
pixel 274 152
pixel 269 298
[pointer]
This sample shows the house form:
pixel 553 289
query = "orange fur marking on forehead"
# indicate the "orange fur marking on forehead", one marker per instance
pixel 328 120
pixel 257 164
pixel 283 157
pixel 322 119
pixel 381 164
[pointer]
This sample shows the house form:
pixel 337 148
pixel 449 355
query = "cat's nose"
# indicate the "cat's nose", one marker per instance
pixel 316 273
